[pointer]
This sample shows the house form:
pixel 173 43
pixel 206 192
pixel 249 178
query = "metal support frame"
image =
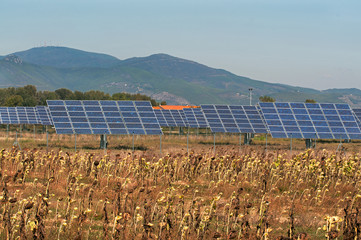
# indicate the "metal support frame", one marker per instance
pixel 47 139
pixel 105 143
pixel 75 142
pixel 160 144
pixel 16 142
pixel 291 144
pixel 214 144
pixel 188 143
pixel 266 143
pixel 133 143
pixel 340 145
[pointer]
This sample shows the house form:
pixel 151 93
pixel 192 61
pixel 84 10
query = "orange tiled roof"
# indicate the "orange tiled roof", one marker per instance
pixel 173 107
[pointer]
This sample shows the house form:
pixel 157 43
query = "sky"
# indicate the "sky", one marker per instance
pixel 307 43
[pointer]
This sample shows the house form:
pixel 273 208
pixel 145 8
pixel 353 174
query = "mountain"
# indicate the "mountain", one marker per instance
pixel 63 57
pixel 161 76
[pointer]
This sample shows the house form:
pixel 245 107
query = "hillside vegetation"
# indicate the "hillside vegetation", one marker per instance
pixel 30 96
pixel 163 77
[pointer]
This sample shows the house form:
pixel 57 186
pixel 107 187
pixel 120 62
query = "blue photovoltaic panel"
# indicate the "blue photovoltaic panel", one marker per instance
pixel 179 118
pixel 357 112
pixel 195 118
pixel 60 117
pixel 183 116
pixel 310 120
pixel 18 115
pixel 227 118
pixel 4 115
pixel 44 115
pixel 248 119
pixel 104 117
pixel 13 115
pixel 148 118
pixel 201 120
pixel 160 117
pixel 213 119
pixel 168 116
pixel 32 117
pixel 357 115
pixel 140 117
pixel 234 119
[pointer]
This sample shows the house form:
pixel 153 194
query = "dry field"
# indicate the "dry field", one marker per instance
pixel 241 192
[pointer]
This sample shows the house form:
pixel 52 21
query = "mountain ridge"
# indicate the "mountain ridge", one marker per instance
pixel 168 78
pixel 63 57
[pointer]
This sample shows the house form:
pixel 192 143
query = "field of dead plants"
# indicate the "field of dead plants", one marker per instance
pixel 241 192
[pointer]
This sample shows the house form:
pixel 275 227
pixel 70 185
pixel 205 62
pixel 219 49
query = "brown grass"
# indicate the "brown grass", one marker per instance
pixel 240 193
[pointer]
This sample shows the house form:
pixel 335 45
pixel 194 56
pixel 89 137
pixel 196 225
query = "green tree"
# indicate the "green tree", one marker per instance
pixel 310 101
pixel 64 93
pixel 47 95
pixel 96 95
pixel 13 101
pixel 266 98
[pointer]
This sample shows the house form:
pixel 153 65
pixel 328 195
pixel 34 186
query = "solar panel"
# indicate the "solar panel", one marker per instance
pixel 183 116
pixel 30 115
pixel 234 119
pixel 179 118
pixel 43 115
pixel 18 115
pixel 148 118
pixel 169 118
pixel 104 117
pixel 213 119
pixel 310 120
pixel 13 115
pixel 4 115
pixel 160 117
pixel 195 118
pixel 357 112
pixel 248 119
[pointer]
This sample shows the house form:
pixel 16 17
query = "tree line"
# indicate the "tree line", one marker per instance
pixel 29 96
pixel 266 98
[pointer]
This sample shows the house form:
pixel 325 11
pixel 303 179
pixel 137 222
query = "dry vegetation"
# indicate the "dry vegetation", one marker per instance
pixel 242 193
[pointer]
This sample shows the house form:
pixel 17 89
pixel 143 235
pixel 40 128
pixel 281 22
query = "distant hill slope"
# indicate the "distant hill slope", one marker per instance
pixel 63 57
pixel 163 77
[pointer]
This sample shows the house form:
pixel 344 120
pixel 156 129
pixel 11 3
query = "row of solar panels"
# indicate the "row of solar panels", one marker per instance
pixel 281 120
pixel 104 117
pixel 311 120
pixel 25 115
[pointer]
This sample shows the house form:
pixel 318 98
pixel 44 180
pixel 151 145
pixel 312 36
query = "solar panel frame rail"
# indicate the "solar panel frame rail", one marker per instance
pixel 310 120
pixel 104 117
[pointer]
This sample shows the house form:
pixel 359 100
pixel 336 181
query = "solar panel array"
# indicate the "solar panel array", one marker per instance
pixel 234 119
pixel 282 120
pixel 195 118
pixel 104 117
pixel 310 120
pixel 18 115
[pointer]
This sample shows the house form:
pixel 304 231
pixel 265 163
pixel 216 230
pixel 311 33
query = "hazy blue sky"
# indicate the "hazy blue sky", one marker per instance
pixel 306 43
